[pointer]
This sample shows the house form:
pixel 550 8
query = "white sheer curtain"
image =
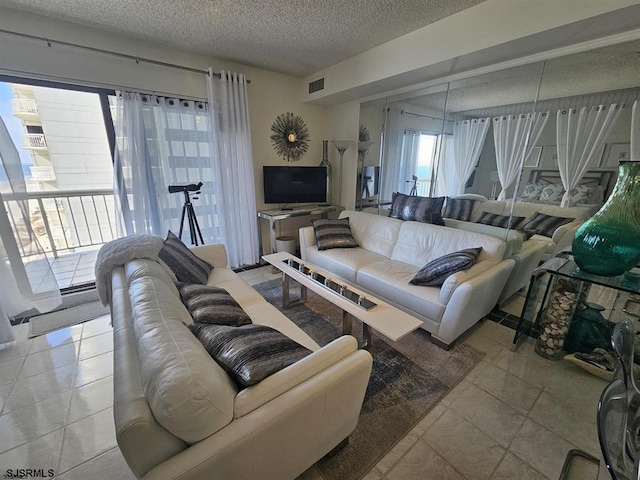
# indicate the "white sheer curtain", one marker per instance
pixel 233 166
pixel 409 161
pixel 514 137
pixel 635 132
pixel 445 157
pixel 391 152
pixel 468 140
pixel 581 134
pixel 161 142
pixel 26 280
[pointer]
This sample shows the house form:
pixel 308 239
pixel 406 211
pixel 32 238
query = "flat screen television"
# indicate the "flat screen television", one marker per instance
pixel 294 184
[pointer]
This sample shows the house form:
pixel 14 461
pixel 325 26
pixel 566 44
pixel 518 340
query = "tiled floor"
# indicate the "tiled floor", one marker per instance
pixel 514 416
pixel 69 269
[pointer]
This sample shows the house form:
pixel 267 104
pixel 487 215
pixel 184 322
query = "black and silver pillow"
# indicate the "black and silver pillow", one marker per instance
pixel 212 305
pixel 417 209
pixel 333 233
pixel 499 220
pixel 434 273
pixel 186 265
pixel 545 225
pixel 250 353
pixel 458 208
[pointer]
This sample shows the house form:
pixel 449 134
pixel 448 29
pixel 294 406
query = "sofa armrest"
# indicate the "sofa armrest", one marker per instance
pixel 215 254
pixel 257 395
pixel 453 281
pixel 563 236
pixel 307 239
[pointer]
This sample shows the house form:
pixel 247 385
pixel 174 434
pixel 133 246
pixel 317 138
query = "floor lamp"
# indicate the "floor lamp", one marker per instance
pixel 342 146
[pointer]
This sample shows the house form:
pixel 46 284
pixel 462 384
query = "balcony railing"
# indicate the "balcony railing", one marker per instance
pixel 33 140
pixel 24 106
pixel 63 220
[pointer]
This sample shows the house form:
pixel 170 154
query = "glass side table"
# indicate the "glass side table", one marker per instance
pixel 557 287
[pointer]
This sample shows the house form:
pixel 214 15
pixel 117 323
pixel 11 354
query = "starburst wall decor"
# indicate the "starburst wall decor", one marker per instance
pixel 290 137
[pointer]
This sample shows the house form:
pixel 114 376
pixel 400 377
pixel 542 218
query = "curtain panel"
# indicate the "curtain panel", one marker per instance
pixel 391 152
pixel 468 140
pixel 409 161
pixel 581 134
pixel 635 131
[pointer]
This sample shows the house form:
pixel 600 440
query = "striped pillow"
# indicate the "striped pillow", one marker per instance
pixel 333 233
pixel 434 273
pixel 417 209
pixel 499 220
pixel 545 225
pixel 459 208
pixel 183 262
pixel 249 353
pixel 212 305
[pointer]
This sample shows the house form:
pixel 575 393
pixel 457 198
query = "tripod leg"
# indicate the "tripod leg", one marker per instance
pixel 184 209
pixel 192 230
pixel 195 223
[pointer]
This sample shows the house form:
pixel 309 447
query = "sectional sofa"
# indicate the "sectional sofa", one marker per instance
pixel 391 251
pixel 179 415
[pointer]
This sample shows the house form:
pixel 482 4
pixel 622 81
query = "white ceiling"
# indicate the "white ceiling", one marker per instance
pixel 288 36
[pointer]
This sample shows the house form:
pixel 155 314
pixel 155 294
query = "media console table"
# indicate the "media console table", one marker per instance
pixel 274 216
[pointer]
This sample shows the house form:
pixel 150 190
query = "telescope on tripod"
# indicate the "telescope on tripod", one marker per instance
pixel 188 212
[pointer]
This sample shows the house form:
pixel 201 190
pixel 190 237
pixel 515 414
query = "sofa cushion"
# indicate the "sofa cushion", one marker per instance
pixel 512 238
pixel 418 209
pixel 435 272
pixel 545 225
pixel 458 208
pixel 531 192
pixel 344 263
pixel 189 394
pixel 249 353
pixel 183 262
pixel 333 233
pixel 503 221
pixel 375 233
pixel 208 304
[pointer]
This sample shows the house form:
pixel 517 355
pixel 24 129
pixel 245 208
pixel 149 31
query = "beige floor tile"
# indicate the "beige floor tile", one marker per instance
pixel 5 390
pixel 27 424
pixel 454 393
pixel 56 338
pixel 486 345
pixel 507 387
pixel 40 387
pixel 514 305
pixel 22 335
pixel 526 364
pixel 464 446
pixel 493 417
pixel 14 351
pixel 91 398
pixel 512 467
pixel 10 369
pixel 41 453
pixel 107 466
pixel 96 345
pixel 429 418
pixel 402 447
pixel 576 387
pixel 561 418
pixel 541 448
pixel 498 333
pixel 87 438
pixel 422 462
pixel 96 327
pixel 374 474
pixel 94 368
pixel 49 359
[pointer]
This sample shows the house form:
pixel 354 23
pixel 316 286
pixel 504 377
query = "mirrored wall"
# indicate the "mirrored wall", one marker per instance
pixel 514 137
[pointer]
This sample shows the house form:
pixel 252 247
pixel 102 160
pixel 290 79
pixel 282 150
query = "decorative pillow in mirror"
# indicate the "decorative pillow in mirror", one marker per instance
pixel 531 192
pixel 434 273
pixel 458 208
pixel 333 233
pixel 552 194
pixel 208 304
pixel 499 220
pixel 417 209
pixel 545 225
pixel 185 264
pixel 249 353
pixel 587 195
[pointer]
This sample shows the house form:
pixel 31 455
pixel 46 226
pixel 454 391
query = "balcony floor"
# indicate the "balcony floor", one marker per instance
pixel 70 269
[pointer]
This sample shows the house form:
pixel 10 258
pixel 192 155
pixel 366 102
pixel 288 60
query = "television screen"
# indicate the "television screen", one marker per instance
pixel 294 184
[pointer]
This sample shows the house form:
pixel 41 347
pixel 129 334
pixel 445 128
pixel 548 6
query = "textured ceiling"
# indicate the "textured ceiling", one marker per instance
pixel 289 36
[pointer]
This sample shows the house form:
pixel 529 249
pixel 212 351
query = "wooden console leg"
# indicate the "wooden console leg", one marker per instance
pixel 346 323
pixel 338 447
pixel 366 336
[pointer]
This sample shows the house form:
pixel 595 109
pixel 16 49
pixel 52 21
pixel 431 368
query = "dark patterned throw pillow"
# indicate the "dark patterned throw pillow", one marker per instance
pixel 458 208
pixel 417 209
pixel 212 305
pixel 546 225
pixel 249 353
pixel 333 233
pixel 434 273
pixel 499 220
pixel 185 264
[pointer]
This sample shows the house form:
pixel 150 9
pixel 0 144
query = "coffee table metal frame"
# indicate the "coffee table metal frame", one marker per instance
pixel 386 319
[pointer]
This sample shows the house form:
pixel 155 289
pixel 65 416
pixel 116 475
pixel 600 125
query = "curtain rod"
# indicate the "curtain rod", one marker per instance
pixel 49 43
pixel 427 116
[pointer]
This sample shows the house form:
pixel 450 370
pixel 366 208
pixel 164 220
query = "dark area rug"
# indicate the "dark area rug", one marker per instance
pixel 409 377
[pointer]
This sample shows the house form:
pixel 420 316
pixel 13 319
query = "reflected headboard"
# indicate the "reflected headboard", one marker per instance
pixel 603 178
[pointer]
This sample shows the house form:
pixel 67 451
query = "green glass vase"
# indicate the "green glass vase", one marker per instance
pixel 608 244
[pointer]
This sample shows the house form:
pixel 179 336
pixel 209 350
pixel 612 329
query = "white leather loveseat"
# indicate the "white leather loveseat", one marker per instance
pixel 179 415
pixel 391 251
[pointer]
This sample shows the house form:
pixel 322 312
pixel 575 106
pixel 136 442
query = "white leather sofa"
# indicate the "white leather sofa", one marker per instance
pixel 178 414
pixel 391 251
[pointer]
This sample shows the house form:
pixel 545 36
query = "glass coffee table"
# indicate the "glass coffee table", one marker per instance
pixel 373 312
